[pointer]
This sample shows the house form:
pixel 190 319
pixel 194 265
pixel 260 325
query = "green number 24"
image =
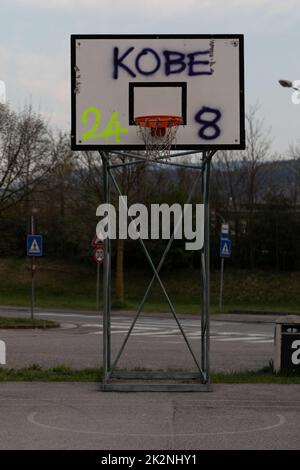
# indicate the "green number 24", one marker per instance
pixel 113 128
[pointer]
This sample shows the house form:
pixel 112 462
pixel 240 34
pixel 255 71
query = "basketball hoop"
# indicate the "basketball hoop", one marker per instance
pixel 158 133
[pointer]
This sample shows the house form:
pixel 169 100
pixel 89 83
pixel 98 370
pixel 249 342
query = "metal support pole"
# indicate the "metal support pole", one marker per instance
pixel 158 160
pixel 106 278
pixel 32 271
pixel 221 284
pixel 138 160
pixel 97 287
pixel 205 268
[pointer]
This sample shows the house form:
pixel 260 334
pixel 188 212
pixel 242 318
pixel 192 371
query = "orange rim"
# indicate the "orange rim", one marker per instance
pixel 158 121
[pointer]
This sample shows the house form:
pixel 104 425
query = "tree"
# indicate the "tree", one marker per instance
pixel 25 156
pixel 243 180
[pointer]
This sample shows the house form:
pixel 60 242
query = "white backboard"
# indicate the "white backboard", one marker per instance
pixel 117 78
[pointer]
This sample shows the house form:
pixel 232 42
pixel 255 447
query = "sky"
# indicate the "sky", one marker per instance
pixel 35 48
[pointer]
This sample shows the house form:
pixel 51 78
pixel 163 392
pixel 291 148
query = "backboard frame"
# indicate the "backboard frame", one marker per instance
pixel 196 147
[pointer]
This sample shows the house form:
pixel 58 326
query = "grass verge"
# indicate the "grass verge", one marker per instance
pixel 66 284
pixel 61 373
pixel 15 322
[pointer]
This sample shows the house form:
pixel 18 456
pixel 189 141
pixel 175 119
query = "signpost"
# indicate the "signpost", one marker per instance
pixel 225 252
pixel 34 245
pixel 225 248
pixel 98 255
pixel 34 249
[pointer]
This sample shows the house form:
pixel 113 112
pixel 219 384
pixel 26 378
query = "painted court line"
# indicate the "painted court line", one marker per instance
pixel 32 419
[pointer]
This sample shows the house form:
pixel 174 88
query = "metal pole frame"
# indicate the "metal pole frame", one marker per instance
pixel 119 380
pixel 33 267
pixel 221 284
pixel 106 281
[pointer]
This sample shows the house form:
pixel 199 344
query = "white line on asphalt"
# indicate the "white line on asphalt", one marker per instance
pixel 136 327
pixel 31 418
pixel 260 334
pixel 258 341
pixel 241 338
pixel 227 333
pixel 66 315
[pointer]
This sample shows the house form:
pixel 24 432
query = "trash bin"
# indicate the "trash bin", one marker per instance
pixel 287 344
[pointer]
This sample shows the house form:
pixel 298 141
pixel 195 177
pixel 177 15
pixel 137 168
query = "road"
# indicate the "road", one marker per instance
pixel 156 341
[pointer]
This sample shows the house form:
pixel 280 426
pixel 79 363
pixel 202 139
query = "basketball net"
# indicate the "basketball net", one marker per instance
pixel 158 134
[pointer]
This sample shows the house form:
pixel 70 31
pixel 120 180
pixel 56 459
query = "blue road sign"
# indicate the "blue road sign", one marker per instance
pixel 34 245
pixel 225 247
pixel 225 231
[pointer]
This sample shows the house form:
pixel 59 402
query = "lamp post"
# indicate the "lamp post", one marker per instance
pixel 217 214
pixel 287 84
pixel 34 211
pixel 295 85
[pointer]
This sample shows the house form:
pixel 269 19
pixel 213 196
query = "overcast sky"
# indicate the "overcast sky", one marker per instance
pixel 34 47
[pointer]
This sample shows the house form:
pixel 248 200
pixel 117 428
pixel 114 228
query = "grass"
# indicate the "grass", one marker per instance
pixel 263 376
pixel 15 322
pixel 61 373
pixel 61 284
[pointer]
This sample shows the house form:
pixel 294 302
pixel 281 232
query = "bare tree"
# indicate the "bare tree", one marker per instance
pixel 241 175
pixel 257 152
pixel 25 154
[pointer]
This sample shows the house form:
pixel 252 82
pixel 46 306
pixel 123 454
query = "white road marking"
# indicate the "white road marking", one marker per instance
pixel 53 314
pixel 154 327
pixel 156 332
pixel 115 332
pixel 262 341
pixel 240 338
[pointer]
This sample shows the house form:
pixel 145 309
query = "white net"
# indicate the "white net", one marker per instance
pixel 158 140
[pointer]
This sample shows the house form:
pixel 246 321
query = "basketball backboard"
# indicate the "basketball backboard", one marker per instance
pixel 116 78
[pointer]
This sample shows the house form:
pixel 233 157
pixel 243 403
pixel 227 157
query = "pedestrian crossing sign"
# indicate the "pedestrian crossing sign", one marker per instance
pixel 225 247
pixel 34 245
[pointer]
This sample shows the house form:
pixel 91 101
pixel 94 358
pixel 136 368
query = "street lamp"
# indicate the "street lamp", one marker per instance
pixel 287 84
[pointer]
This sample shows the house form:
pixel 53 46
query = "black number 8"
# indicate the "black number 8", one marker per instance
pixel 208 124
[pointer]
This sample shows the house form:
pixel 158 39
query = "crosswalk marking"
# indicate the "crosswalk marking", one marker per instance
pixel 237 338
pixel 258 341
pixel 166 330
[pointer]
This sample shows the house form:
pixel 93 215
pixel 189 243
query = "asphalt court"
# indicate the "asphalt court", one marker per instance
pixel 80 416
